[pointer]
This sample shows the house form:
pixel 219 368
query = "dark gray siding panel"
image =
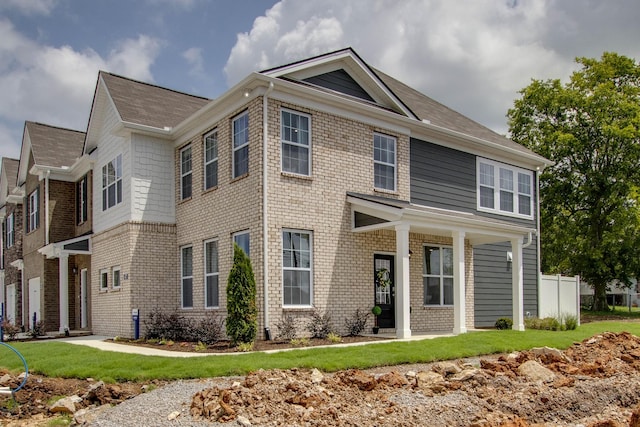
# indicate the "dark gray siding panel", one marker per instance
pixel 492 283
pixel 362 220
pixel 340 81
pixel 442 177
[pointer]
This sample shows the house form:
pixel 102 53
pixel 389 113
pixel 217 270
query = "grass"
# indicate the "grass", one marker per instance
pixel 616 311
pixel 57 359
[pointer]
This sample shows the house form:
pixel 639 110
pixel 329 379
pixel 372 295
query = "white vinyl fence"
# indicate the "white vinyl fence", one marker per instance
pixel 559 295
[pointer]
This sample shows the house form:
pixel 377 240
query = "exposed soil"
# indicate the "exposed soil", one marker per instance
pixel 595 383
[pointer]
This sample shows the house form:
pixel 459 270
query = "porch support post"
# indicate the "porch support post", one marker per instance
pixel 403 305
pixel 459 307
pixel 517 279
pixel 63 279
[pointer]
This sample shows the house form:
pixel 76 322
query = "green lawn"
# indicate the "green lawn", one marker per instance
pixel 58 359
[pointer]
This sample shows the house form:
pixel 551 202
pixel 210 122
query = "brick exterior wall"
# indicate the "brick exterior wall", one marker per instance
pixel 13 276
pixel 62 208
pixel 342 161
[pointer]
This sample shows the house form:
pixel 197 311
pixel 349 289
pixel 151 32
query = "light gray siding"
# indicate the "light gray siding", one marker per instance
pixel 445 178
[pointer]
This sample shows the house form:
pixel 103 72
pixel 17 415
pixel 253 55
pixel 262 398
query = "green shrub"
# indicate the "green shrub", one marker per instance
pixel 504 323
pixel 287 328
pixel 319 325
pixel 300 342
pixel 570 322
pixel 546 324
pixel 242 313
pixel 356 323
pixel 38 329
pixel 334 338
pixel 245 347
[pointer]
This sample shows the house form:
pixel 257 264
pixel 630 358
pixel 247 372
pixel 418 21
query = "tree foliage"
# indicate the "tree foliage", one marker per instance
pixel 590 128
pixel 242 313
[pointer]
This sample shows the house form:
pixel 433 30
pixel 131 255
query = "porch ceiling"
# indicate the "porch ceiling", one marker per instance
pixel 426 220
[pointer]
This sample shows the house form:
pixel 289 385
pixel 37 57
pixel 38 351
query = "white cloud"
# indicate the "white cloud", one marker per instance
pixel 471 55
pixel 29 7
pixel 194 58
pixel 55 85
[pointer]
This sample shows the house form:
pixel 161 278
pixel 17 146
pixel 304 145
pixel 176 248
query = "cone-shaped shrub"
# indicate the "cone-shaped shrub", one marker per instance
pixel 242 314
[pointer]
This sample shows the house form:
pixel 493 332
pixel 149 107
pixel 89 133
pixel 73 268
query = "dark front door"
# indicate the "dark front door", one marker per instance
pixel 384 289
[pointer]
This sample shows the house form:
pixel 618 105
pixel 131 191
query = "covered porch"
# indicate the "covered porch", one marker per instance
pixel 371 213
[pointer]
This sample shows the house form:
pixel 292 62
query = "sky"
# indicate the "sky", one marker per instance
pixel 471 55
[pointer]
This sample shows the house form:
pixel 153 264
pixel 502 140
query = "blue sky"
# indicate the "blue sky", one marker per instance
pixel 472 55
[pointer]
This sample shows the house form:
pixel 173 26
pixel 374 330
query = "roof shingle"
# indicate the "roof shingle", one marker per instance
pixel 54 146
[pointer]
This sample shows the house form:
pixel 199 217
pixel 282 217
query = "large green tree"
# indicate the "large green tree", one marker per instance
pixel 590 128
pixel 242 312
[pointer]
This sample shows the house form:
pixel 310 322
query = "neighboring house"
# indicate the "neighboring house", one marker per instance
pixel 345 187
pixel 11 247
pixel 55 247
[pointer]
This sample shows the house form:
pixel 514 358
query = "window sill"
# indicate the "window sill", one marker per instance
pixel 116 289
pixel 209 190
pixel 437 307
pixel 387 192
pixel 504 213
pixel 213 308
pixel 301 308
pixel 184 200
pixel 238 178
pixel 297 176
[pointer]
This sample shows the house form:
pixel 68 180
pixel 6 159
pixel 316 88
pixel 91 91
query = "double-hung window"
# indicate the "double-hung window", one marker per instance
pixel 243 240
pixel 33 217
pixel 82 213
pixel 211 160
pixel 296 268
pixel 211 274
pixel 504 189
pixel 185 172
pixel 112 183
pixel 11 231
pixel 186 269
pixel 240 145
pixel 384 162
pixel 437 275
pixel 295 133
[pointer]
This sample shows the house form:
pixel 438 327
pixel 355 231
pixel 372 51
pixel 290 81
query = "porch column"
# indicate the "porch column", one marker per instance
pixel 517 284
pixel 459 307
pixel 63 279
pixel 403 305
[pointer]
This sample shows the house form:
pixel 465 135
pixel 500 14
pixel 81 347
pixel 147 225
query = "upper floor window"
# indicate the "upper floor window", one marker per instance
pixel 185 172
pixel 295 134
pixel 82 213
pixel 112 183
pixel 241 145
pixel 211 160
pixel 504 189
pixel 437 275
pixel 11 231
pixel 211 274
pixel 296 267
pixel 384 162
pixel 33 219
pixel 186 261
pixel 104 279
pixel 242 239
pixel 115 277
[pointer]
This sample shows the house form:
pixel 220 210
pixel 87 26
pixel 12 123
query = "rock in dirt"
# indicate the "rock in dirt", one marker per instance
pixel 534 371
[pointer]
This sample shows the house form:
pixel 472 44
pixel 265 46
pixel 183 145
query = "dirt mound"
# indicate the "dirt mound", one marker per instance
pixel 593 383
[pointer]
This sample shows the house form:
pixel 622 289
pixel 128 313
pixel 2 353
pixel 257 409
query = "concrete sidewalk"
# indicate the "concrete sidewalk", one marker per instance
pixel 101 343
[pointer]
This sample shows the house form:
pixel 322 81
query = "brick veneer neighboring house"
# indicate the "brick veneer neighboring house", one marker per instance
pixel 346 187
pixel 11 245
pixel 56 248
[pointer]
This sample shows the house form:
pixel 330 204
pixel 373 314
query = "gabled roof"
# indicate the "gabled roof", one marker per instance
pixel 10 171
pixel 53 146
pixel 149 105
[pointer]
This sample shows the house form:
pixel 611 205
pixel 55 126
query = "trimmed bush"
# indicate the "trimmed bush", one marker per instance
pixel 10 330
pixel 356 323
pixel 209 330
pixel 504 323
pixel 242 313
pixel 163 326
pixel 319 325
pixel 287 328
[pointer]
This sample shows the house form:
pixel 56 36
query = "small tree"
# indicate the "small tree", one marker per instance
pixel 242 313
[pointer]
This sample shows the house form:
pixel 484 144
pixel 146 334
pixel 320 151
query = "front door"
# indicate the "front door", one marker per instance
pixel 384 289
pixel 84 304
pixel 11 303
pixel 34 301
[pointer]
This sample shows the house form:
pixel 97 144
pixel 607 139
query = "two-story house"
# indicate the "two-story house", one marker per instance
pixel 11 247
pixel 346 187
pixel 55 241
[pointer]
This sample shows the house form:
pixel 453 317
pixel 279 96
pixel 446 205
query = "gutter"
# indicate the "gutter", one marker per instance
pixel 265 231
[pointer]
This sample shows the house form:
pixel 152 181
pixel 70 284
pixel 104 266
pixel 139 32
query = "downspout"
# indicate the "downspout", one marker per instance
pixel 46 207
pixel 265 231
pixel 538 254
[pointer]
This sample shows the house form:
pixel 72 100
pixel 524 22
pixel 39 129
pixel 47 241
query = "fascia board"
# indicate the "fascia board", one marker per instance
pixel 25 152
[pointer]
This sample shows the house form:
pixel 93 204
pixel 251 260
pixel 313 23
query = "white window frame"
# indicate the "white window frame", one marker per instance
pixel 234 149
pixel 441 275
pixel 213 136
pixel 208 274
pixel 33 204
pixel 184 277
pixel 186 173
pixel 116 163
pixel 284 141
pixel 309 269
pixel 116 283
pixel 83 195
pixel 11 230
pixel 515 191
pixel 235 237
pixel 104 279
pixel 393 165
